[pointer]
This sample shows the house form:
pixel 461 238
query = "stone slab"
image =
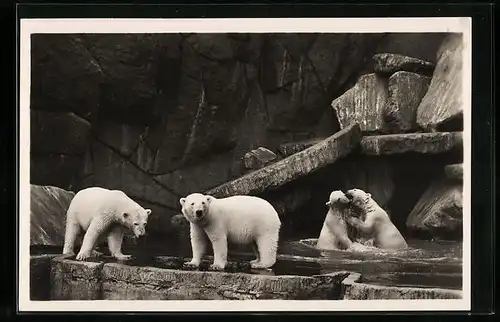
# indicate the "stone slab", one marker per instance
pixel 75 280
pixel 432 143
pixel 354 289
pixel 425 143
pixel 295 166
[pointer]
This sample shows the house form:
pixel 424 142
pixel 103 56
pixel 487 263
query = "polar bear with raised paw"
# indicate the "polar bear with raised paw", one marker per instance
pixel 99 211
pixel 237 219
pixel 376 221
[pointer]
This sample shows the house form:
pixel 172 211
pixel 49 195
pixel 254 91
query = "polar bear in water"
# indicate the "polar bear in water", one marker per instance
pixel 376 221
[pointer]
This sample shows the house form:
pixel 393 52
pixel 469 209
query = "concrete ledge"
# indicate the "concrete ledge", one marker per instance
pixel 293 167
pixel 74 280
pixel 354 289
pixel 454 171
pixel 393 144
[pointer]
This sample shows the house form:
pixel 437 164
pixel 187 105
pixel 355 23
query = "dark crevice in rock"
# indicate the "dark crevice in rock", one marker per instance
pixel 455 123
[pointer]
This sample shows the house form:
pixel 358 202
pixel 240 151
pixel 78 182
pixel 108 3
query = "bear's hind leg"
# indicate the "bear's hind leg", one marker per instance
pixel 256 251
pixel 72 230
pixel 268 247
pixel 115 240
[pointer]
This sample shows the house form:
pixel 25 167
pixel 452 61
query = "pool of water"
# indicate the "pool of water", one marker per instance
pixel 424 264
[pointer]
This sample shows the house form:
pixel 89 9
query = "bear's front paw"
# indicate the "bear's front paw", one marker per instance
pixel 84 255
pixel 192 264
pixel 217 267
pixel 122 257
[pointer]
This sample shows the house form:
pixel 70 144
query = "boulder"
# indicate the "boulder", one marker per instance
pixel 406 90
pixel 426 143
pixel 296 166
pixel 65 75
pixel 388 64
pixel 454 171
pixel 58 132
pixel 258 158
pixel 442 106
pixel 48 206
pixel 439 211
pixel 363 104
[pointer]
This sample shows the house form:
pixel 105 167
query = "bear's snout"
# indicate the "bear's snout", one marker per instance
pixel 198 213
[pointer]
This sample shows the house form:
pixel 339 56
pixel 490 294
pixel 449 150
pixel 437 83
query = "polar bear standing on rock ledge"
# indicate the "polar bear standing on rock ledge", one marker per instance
pixel 99 211
pixel 238 219
pixel 376 223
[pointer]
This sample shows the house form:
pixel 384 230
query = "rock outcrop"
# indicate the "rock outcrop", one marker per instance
pixel 389 64
pixel 406 90
pixel 439 211
pixel 363 104
pixel 258 158
pixel 442 106
pixel 48 207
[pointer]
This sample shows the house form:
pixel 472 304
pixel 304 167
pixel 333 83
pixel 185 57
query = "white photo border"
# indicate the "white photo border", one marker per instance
pixel 249 25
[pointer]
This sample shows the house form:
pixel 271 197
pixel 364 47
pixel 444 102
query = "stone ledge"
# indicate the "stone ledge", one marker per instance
pixel 393 144
pixel 75 280
pixel 354 289
pixel 293 167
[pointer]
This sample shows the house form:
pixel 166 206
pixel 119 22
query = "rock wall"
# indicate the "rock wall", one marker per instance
pixel 163 115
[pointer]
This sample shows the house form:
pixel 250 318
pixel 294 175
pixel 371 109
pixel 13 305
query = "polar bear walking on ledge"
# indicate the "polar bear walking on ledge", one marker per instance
pixel 238 219
pixel 99 211
pixel 376 223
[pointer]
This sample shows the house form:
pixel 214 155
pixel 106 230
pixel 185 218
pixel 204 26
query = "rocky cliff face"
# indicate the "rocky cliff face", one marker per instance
pixel 163 115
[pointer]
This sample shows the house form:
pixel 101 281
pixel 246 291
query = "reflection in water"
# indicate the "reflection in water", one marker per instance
pixel 424 264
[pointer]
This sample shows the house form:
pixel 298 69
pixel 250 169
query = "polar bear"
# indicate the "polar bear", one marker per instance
pixel 376 221
pixel 99 211
pixel 237 219
pixel 334 233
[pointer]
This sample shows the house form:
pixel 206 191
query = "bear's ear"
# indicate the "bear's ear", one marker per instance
pixel 368 195
pixel 209 198
pixel 182 201
pixel 148 212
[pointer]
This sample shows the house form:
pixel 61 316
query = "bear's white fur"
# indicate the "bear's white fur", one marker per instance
pixel 334 235
pixel 237 219
pixel 99 211
pixel 376 221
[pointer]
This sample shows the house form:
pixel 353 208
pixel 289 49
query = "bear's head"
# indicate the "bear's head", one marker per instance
pixel 136 220
pixel 337 197
pixel 195 207
pixel 358 197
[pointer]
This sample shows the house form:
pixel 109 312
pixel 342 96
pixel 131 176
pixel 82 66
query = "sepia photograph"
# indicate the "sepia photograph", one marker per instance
pixel 245 164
